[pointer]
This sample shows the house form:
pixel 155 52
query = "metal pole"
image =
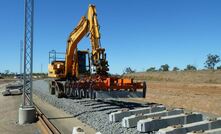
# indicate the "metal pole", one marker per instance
pixel 27 111
pixel 28 53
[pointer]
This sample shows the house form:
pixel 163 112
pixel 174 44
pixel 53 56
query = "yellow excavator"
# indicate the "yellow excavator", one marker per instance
pixel 84 74
pixel 70 68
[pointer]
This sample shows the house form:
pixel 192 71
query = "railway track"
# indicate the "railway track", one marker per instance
pixel 45 125
pixel 155 118
pixel 121 116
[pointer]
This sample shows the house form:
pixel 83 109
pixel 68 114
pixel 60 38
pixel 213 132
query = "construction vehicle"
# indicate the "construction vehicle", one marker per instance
pixel 84 73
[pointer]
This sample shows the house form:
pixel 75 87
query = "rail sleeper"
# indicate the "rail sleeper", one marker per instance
pixel 131 121
pixel 152 124
pixel 119 115
pixel 202 125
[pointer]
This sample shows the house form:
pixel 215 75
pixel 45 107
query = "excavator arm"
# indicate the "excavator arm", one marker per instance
pixel 93 28
pixel 78 33
pixel 86 25
pixel 98 53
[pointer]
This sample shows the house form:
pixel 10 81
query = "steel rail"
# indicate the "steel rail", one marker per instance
pixel 51 129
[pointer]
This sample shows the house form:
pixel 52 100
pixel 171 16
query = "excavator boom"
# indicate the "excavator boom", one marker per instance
pixel 79 32
pixel 86 25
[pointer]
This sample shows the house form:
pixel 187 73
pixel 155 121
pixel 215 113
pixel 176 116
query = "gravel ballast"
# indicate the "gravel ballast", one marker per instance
pixel 92 112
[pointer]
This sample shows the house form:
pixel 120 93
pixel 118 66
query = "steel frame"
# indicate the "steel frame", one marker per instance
pixel 28 54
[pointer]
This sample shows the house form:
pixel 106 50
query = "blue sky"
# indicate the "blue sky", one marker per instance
pixel 136 33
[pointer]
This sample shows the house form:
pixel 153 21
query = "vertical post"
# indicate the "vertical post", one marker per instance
pixel 28 53
pixel 27 111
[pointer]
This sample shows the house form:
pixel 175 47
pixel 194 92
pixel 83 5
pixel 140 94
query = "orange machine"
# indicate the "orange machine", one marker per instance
pixel 84 74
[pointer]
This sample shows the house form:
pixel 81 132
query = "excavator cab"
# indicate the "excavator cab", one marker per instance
pixel 84 66
pixel 56 65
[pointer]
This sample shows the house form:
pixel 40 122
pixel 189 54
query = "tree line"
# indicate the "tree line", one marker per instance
pixel 211 61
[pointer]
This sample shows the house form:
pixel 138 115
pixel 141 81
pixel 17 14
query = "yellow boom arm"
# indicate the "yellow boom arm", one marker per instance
pixel 86 25
pixel 74 38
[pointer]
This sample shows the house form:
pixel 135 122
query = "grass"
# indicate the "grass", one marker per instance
pixel 202 76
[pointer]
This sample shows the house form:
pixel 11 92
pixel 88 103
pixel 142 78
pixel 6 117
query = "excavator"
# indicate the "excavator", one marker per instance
pixel 84 73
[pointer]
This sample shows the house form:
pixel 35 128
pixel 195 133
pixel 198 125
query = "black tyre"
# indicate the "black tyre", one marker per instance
pixel 58 94
pixel 92 94
pixel 51 89
pixel 144 89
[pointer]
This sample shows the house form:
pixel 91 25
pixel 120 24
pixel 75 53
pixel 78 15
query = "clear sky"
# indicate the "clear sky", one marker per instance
pixel 135 33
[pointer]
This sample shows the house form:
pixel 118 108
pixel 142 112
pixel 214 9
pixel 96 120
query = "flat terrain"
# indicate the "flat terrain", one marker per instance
pixel 205 76
pixel 195 91
pixel 7 80
pixel 9 106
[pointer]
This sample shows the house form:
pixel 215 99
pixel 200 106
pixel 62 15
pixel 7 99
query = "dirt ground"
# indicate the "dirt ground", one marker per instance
pixel 200 76
pixel 3 81
pixel 193 90
pixel 204 98
pixel 9 106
